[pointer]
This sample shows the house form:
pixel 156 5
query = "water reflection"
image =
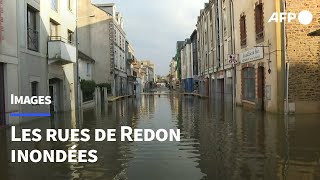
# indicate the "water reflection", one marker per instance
pixel 217 143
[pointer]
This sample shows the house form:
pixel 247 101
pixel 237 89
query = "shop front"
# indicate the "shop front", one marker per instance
pixel 252 78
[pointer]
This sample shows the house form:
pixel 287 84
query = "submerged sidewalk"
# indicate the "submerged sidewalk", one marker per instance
pixel 115 98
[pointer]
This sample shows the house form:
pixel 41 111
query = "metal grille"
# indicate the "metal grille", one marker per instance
pixel 33 39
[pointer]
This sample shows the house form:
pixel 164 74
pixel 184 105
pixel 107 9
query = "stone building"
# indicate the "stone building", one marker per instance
pixel 303 58
pixel 259 81
pixel 101 37
pixel 215 43
pixel 278 61
pixel 205 53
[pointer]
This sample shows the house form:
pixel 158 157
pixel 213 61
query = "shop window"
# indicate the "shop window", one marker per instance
pixel 249 90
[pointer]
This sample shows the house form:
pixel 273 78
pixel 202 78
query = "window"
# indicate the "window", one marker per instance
pixel 54 5
pixel 32 33
pixel 34 88
pixel 88 69
pixel 70 4
pixel 249 84
pixel 258 13
pixel 70 36
pixel 224 14
pixel 243 31
pixel 54 29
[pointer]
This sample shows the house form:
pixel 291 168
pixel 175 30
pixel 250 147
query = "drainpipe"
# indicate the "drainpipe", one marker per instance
pixel 233 52
pixel 208 87
pixel 287 64
pixel 78 103
pixel 280 58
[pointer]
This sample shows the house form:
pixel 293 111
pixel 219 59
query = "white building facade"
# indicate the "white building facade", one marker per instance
pixel 38 56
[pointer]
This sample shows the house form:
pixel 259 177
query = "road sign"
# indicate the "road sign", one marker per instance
pixel 233 58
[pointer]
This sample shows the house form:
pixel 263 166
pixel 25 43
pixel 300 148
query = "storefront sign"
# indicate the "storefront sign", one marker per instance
pixel 251 55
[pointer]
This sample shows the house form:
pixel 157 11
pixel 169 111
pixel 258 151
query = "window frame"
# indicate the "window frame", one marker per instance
pixel 249 91
pixel 259 22
pixel 32 29
pixel 56 25
pixel 70 37
pixel 55 6
pixel 70 5
pixel 243 31
pixel 34 92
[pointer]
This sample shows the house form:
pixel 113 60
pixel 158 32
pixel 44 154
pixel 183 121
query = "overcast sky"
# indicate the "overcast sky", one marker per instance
pixel 154 26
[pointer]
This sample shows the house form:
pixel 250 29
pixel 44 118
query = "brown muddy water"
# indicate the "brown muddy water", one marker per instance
pixel 216 143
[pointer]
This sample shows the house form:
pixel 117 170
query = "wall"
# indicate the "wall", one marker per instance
pixel 247 7
pixel 94 39
pixel 303 54
pixel 9 55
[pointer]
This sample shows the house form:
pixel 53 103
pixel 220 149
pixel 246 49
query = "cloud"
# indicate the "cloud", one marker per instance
pixel 154 26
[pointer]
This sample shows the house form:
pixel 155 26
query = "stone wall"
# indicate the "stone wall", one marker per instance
pixel 303 53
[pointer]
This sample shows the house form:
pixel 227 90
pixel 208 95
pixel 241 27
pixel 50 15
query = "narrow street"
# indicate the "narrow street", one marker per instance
pixel 216 143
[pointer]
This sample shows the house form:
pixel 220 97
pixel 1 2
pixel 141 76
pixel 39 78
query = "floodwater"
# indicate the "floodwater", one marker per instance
pixel 216 143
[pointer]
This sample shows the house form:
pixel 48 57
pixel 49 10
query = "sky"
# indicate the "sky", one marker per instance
pixel 154 26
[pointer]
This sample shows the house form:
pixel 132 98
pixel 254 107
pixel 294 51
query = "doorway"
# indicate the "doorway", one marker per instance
pixel 55 94
pixel 261 88
pixel 2 97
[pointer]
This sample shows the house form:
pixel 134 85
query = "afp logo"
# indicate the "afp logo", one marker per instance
pixel 304 17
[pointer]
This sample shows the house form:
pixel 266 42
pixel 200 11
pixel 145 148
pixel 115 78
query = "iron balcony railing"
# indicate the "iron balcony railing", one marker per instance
pixel 59 38
pixel 33 39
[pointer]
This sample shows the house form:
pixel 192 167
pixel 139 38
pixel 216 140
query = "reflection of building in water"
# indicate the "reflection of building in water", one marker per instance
pixel 174 104
pixel 148 105
pixel 300 155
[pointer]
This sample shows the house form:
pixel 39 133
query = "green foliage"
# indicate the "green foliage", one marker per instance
pixel 87 87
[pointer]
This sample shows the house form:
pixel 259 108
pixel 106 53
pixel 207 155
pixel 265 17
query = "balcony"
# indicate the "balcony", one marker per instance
pixel 61 51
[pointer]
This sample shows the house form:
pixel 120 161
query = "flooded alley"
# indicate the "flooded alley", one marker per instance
pixel 217 142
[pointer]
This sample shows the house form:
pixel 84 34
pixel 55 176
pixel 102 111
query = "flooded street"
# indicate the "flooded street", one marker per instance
pixel 216 143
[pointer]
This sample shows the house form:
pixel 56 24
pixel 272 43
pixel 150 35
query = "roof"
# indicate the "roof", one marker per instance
pixel 85 57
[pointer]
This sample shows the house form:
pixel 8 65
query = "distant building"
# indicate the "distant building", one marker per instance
pixel 173 78
pixel 186 67
pixel 131 74
pixel 103 39
pixel 179 46
pixel 145 74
